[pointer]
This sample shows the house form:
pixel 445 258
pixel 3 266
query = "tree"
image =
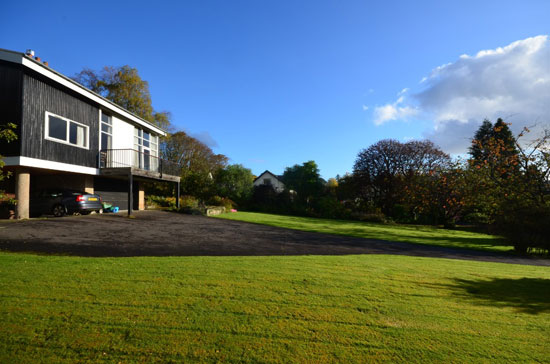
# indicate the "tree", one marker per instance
pixel 200 164
pixel 386 168
pixel 124 87
pixel 493 145
pixel 495 166
pixel 305 180
pixel 235 182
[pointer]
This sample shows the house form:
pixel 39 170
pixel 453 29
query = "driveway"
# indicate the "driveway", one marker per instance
pixel 159 233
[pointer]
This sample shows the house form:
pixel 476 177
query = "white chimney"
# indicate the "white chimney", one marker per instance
pixel 29 52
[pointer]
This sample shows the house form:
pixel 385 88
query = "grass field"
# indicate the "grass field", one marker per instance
pixel 305 309
pixel 418 234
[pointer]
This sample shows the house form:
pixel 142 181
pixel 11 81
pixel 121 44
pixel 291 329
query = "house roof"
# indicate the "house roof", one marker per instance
pixel 37 66
pixel 278 178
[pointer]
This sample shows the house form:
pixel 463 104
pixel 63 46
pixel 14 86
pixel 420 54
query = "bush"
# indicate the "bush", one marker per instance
pixel 160 201
pixel 330 207
pixel 477 218
pixel 189 201
pixel 527 227
pixel 221 201
pixel 377 217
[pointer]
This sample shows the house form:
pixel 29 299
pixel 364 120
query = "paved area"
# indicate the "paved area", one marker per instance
pixel 159 233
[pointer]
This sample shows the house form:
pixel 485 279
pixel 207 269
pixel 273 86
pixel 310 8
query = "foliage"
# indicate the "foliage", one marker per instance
pixel 526 225
pixel 189 201
pixel 200 165
pixel 235 182
pixel 7 135
pixel 384 171
pixel 123 86
pixel 305 180
pixel 221 201
pixel 489 139
pixel 160 201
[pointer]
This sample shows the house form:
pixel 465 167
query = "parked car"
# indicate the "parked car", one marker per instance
pixel 62 201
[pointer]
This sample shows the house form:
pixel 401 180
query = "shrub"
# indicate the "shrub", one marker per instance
pixel 160 201
pixel 377 217
pixel 189 201
pixel 527 227
pixel 221 201
pixel 330 207
pixel 477 218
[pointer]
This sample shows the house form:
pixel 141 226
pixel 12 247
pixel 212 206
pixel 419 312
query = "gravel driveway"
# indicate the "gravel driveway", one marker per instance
pixel 158 233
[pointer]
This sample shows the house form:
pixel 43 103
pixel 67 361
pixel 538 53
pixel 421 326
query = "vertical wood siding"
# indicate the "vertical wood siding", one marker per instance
pixel 11 77
pixel 38 97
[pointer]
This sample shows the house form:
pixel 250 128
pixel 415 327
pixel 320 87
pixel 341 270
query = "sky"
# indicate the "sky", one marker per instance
pixel 271 84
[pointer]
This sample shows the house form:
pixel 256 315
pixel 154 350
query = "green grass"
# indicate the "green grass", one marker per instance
pixel 303 309
pixel 418 234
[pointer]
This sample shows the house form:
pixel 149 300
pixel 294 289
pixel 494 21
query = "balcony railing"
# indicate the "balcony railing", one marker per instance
pixel 124 158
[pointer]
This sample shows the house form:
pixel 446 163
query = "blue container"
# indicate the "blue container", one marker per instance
pixel 115 209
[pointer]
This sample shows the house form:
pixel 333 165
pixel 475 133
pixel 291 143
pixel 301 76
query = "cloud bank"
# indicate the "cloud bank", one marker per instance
pixel 512 82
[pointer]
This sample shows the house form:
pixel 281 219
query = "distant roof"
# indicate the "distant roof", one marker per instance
pixel 31 63
pixel 278 178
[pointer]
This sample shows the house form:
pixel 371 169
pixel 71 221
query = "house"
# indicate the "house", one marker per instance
pixel 269 179
pixel 71 137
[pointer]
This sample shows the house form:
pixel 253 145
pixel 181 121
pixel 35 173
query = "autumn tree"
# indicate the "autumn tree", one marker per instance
pixel 387 168
pixel 123 86
pixel 199 163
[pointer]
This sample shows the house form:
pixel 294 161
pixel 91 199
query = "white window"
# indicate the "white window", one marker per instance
pixel 106 131
pixel 63 130
pixel 146 141
pixel 147 146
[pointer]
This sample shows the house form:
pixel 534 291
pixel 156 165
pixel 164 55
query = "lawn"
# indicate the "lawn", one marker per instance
pixel 304 309
pixel 418 234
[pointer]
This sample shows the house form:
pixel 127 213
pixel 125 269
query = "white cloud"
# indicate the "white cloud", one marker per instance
pixel 385 113
pixel 511 82
pixel 402 92
pixel 365 107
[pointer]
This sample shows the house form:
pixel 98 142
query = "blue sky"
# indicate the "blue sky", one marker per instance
pixel 274 83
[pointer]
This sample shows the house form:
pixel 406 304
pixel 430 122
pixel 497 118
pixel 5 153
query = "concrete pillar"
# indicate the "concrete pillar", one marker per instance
pixel 141 197
pixel 89 184
pixel 22 192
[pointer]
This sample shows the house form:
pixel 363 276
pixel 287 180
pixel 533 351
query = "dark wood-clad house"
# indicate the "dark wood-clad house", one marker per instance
pixel 71 137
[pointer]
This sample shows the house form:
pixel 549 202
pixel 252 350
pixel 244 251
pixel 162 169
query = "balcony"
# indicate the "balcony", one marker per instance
pixel 131 161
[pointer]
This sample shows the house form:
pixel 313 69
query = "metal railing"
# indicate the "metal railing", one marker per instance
pixel 123 158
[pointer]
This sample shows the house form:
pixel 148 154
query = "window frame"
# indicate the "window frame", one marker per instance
pixel 101 132
pixel 68 134
pixel 153 140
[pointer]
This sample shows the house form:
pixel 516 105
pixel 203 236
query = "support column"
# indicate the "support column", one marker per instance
pixel 22 192
pixel 178 195
pixel 130 194
pixel 89 184
pixel 141 197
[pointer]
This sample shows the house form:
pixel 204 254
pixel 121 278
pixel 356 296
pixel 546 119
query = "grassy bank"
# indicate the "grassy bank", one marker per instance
pixel 418 234
pixel 271 309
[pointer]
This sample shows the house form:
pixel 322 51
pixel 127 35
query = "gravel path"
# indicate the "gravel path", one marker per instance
pixel 158 233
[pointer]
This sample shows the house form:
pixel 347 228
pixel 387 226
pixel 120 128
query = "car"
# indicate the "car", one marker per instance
pixel 60 202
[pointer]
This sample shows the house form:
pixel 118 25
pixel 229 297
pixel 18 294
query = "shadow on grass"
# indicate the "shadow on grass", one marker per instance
pixel 467 242
pixel 529 295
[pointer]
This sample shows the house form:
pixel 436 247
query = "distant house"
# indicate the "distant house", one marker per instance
pixel 72 138
pixel 269 179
